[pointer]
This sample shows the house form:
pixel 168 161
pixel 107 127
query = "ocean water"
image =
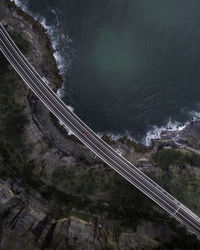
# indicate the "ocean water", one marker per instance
pixel 131 67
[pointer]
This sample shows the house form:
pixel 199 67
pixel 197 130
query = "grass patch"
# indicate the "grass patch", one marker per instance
pixel 183 185
pixel 110 195
pixel 12 124
pixel 1 232
pixel 166 157
pixel 20 41
pixel 181 240
pixel 61 204
pixel 12 120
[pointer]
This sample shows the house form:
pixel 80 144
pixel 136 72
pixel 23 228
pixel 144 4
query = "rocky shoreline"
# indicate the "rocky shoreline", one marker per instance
pixel 188 136
pixel 64 200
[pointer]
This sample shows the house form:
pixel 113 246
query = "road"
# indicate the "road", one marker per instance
pixel 131 173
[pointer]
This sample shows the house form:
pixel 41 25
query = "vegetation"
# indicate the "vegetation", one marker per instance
pixel 22 43
pixel 108 195
pixel 181 240
pixel 166 157
pixel 179 180
pixel 12 123
pixel 12 118
pixel 182 184
pixel 1 231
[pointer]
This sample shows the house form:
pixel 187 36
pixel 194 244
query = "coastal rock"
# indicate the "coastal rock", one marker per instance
pixel 14 13
pixel 190 135
pixel 136 241
pixel 160 232
pixel 69 161
pixel 18 219
pixel 4 22
pixel 84 235
pixel 5 194
pixel 28 35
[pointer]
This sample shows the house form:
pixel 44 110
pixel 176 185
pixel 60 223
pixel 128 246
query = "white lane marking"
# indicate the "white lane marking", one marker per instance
pixel 176 211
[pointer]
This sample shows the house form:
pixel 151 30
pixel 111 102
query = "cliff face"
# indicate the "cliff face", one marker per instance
pixel 54 194
pixel 27 227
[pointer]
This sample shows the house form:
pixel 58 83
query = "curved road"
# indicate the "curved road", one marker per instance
pixel 92 141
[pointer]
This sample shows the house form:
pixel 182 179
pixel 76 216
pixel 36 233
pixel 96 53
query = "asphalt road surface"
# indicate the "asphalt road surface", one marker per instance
pixel 93 141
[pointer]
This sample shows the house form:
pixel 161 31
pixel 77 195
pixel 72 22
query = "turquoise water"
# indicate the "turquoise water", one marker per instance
pixel 131 64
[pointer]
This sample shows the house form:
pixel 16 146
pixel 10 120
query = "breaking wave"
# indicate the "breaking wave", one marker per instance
pixel 63 55
pixel 155 132
pixel 61 91
pixel 20 5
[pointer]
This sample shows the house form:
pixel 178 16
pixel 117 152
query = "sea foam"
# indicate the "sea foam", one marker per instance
pixel 63 62
pixel 155 132
pixel 20 5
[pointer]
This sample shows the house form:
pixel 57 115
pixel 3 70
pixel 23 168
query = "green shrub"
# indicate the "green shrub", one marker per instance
pixel 20 41
pixel 165 157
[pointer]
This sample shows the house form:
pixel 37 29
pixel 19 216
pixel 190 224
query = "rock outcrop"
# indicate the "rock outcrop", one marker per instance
pixel 26 226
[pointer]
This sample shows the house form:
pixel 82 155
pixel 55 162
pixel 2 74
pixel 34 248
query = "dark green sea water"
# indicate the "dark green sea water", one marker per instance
pixel 131 64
